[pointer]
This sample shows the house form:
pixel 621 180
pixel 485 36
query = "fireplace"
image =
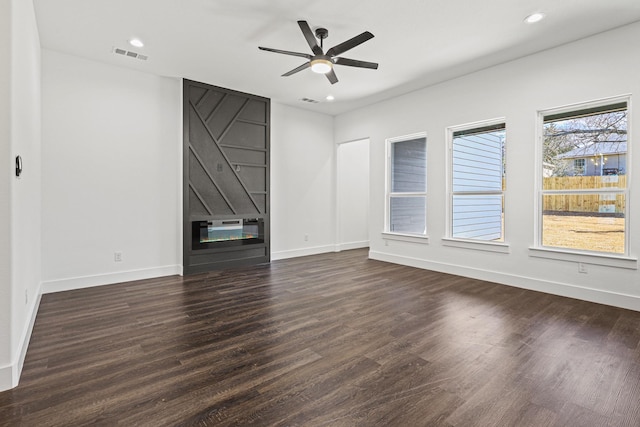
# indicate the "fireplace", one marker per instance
pixel 221 233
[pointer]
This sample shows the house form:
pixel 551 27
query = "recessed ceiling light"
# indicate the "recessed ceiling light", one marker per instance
pixel 534 17
pixel 330 98
pixel 136 43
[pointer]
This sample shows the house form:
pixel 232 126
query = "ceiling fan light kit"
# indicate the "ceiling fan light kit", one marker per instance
pixel 321 65
pixel 322 62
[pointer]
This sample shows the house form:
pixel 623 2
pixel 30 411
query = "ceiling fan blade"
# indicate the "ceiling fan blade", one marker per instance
pixel 297 69
pixel 311 39
pixel 349 44
pixel 285 52
pixel 331 75
pixel 355 63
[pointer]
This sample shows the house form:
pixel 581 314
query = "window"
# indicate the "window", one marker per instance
pixel 587 211
pixel 477 182
pixel 407 185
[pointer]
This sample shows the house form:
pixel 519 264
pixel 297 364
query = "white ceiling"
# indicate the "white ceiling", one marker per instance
pixel 416 43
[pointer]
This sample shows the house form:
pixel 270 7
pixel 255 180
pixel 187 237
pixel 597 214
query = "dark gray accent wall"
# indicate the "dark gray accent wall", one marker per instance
pixel 226 169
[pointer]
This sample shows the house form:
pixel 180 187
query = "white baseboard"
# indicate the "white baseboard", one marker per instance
pixel 352 245
pixel 26 334
pixel 630 302
pixel 10 374
pixel 7 377
pixel 294 253
pixel 72 283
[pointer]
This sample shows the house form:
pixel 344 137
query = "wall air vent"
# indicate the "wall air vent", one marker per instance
pixel 309 100
pixel 130 54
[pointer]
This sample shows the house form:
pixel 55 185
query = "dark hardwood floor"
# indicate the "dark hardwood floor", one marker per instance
pixel 326 340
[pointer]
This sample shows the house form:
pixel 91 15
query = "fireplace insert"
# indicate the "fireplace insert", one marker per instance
pixel 221 233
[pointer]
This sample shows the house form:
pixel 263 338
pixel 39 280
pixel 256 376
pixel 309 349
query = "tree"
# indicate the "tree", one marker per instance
pixel 584 135
pixel 555 143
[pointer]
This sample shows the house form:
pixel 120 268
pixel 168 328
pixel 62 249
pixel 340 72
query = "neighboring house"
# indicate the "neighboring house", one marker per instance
pixel 600 158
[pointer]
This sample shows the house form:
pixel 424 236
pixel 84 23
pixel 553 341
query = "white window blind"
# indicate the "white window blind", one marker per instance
pixel 407 195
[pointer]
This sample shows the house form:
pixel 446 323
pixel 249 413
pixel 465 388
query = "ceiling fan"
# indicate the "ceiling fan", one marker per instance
pixel 323 62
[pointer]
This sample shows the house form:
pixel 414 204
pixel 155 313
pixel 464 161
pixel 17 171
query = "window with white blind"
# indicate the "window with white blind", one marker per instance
pixel 476 187
pixel 406 211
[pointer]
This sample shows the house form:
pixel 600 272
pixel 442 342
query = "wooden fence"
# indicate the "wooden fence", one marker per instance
pixel 585 203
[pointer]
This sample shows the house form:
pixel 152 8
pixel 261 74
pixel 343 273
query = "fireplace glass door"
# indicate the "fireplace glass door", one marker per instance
pixel 227 232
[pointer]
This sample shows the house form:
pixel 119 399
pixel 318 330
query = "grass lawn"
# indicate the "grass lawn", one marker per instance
pixel 596 233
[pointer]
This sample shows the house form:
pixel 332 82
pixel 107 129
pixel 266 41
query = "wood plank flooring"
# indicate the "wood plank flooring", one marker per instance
pixel 326 340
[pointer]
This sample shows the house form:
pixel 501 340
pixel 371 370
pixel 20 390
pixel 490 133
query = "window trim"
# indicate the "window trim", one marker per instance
pixel 423 238
pixel 412 238
pixel 448 239
pixel 482 245
pixel 538 250
pixel 571 255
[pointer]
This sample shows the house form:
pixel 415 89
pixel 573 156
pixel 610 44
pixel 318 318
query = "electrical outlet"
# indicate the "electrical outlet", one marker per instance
pixel 117 256
pixel 306 237
pixel 582 268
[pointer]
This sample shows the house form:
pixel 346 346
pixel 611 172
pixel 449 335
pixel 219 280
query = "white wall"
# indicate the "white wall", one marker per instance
pixel 302 182
pixel 6 177
pixel 352 194
pixel 26 190
pixel 111 173
pixel 19 289
pixel 569 74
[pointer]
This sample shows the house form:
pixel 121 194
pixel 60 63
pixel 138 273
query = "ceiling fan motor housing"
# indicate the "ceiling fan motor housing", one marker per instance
pixel 322 33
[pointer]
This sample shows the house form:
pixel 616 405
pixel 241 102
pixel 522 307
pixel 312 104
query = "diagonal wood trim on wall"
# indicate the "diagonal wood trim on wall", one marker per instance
pixel 202 148
pixel 226 158
pixel 193 172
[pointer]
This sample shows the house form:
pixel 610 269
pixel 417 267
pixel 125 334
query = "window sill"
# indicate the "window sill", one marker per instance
pixel 595 259
pixel 406 237
pixel 498 247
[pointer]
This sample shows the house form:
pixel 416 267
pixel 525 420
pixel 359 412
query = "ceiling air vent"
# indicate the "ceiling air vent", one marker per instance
pixel 129 53
pixel 309 100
